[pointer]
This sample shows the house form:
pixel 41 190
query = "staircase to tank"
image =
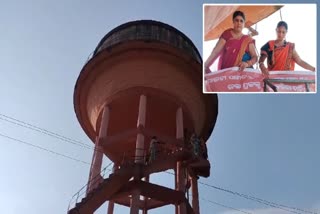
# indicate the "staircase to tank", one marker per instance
pixel 103 192
pixel 119 185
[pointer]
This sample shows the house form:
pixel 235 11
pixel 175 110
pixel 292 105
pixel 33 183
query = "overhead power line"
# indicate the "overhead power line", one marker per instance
pixel 87 163
pixel 44 149
pixel 86 146
pixel 258 200
pixel 45 131
pixel 225 206
pixel 262 201
pixel 42 129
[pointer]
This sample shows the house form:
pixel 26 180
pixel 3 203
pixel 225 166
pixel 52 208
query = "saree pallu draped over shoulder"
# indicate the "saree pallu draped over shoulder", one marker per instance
pixel 279 58
pixel 235 50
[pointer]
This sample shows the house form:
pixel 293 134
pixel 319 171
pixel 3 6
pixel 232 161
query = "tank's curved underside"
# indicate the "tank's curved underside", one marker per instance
pixel 169 75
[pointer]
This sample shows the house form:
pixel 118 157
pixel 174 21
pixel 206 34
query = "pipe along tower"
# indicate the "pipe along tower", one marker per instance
pixel 139 99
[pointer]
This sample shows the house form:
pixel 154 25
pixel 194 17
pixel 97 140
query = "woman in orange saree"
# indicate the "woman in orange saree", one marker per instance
pixel 280 54
pixel 234 48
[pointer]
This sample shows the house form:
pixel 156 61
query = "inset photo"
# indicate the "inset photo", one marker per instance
pixel 259 48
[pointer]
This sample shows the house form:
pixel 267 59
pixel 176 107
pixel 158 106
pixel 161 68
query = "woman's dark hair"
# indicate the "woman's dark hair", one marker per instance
pixel 238 13
pixel 282 24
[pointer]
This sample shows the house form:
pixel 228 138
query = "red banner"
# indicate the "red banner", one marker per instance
pixel 233 80
pixel 250 80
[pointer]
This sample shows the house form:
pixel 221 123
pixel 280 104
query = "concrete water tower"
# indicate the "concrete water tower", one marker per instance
pixel 144 80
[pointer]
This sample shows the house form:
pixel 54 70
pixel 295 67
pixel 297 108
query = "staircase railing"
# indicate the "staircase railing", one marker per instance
pixel 94 181
pixel 128 158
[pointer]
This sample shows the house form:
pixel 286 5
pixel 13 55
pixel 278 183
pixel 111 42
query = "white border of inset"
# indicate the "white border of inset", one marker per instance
pixel 225 4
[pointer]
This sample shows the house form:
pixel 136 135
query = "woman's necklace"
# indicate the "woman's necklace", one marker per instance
pixel 279 43
pixel 236 35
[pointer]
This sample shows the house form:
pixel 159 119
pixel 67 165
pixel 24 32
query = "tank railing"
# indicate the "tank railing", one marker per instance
pixel 95 181
pixel 268 82
pixel 129 157
pixel 146 36
pixel 198 149
pixel 147 33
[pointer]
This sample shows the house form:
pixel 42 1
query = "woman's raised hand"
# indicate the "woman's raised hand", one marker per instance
pixel 248 24
pixel 264 70
pixel 243 65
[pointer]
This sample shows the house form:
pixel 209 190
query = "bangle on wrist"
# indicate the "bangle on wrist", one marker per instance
pixel 261 64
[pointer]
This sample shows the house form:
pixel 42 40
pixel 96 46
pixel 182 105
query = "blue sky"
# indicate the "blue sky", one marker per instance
pixel 263 145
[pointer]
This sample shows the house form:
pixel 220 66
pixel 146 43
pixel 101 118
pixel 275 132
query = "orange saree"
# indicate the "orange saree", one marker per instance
pixel 279 58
